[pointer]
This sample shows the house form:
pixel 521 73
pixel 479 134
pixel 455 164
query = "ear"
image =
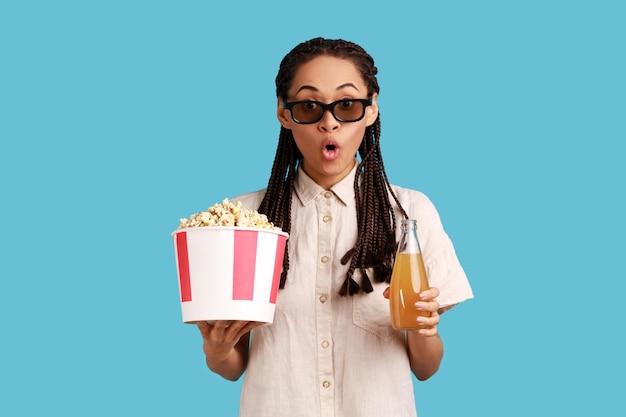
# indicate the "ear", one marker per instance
pixel 371 112
pixel 283 115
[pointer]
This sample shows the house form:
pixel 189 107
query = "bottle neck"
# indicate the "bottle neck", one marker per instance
pixel 409 224
pixel 409 242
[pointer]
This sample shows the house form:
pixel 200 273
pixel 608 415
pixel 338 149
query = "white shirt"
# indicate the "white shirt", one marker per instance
pixel 328 355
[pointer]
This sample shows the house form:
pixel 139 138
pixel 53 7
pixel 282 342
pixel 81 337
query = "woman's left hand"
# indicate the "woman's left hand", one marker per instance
pixel 429 305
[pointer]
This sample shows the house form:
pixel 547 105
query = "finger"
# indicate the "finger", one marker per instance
pixel 204 325
pixel 428 326
pixel 248 326
pixel 431 320
pixel 236 326
pixel 428 331
pixel 222 324
pixel 430 294
pixel 205 328
pixel 429 306
pixel 253 325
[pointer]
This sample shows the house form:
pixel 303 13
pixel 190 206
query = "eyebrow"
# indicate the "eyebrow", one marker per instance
pixel 310 87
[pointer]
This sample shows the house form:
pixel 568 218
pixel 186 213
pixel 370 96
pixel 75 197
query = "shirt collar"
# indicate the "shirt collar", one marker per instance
pixel 307 189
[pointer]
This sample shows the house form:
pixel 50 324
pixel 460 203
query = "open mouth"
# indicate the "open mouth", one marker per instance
pixel 330 151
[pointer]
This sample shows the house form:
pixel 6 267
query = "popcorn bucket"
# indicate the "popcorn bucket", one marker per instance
pixel 228 273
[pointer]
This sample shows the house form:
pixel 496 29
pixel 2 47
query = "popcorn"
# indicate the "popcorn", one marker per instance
pixel 227 214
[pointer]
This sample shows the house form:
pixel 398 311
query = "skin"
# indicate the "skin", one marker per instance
pixel 328 79
pixel 225 346
pixel 329 148
pixel 425 347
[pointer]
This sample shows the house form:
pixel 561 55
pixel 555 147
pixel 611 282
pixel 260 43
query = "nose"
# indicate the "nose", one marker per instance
pixel 328 123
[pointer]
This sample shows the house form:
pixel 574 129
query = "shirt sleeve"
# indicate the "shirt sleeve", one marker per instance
pixel 442 264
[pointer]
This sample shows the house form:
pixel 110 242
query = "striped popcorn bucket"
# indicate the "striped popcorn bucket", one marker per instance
pixel 228 273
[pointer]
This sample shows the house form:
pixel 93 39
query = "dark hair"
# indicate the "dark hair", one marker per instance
pixel 375 245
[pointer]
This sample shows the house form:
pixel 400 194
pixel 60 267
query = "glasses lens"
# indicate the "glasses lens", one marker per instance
pixel 343 110
pixel 307 112
pixel 348 110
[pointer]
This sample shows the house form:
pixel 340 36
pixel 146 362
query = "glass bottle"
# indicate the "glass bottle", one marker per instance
pixel 408 279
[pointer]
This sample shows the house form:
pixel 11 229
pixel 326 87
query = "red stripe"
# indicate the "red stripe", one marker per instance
pixel 243 268
pixel 183 266
pixel 278 266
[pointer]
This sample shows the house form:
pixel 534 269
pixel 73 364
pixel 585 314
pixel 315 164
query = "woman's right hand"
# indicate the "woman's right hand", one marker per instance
pixel 225 345
pixel 221 337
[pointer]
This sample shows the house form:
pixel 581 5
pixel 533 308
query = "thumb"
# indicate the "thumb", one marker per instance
pixel 386 293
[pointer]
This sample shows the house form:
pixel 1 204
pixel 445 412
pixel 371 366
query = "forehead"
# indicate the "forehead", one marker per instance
pixel 327 73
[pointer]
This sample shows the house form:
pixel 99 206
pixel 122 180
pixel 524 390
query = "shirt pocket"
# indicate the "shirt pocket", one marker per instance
pixel 370 311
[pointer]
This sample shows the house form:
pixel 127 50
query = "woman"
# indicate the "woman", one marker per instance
pixel 331 350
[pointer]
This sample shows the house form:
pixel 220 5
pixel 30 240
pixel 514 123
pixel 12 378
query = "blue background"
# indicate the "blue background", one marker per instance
pixel 118 118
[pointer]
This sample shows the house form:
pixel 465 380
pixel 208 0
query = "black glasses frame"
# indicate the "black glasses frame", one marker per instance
pixel 330 107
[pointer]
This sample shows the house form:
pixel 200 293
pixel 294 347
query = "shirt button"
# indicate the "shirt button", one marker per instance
pixel 325 344
pixel 323 298
pixel 326 384
pixel 325 219
pixel 328 194
pixel 324 259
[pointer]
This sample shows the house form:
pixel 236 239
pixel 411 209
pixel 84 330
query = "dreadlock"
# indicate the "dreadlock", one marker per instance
pixel 375 246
